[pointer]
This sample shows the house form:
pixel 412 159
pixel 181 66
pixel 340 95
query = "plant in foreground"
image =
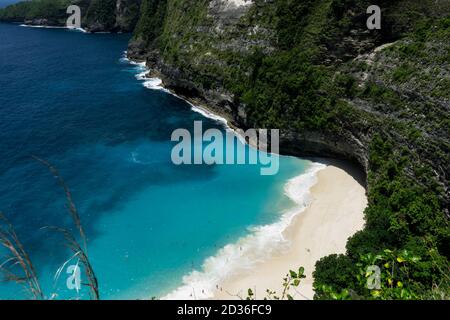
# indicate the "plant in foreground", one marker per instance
pixel 18 266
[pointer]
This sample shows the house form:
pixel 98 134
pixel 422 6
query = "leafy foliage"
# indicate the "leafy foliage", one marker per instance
pixel 395 277
pixel 28 10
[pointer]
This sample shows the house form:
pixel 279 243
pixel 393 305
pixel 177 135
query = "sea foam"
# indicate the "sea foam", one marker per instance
pixel 53 27
pixel 262 243
pixel 157 84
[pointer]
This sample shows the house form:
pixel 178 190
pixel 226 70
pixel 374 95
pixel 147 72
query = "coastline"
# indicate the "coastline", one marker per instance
pixel 335 214
pixel 155 83
pixel 52 27
pixel 330 201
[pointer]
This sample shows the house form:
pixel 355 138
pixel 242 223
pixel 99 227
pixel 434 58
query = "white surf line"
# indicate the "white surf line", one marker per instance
pixel 52 27
pixel 157 84
pixel 261 244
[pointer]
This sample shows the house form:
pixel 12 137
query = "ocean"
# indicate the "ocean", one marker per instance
pixel 154 229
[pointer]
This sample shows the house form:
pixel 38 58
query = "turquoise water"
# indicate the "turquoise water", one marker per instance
pixel 68 97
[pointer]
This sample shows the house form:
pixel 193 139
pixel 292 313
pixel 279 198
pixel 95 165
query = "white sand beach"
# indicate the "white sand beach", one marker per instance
pixel 335 214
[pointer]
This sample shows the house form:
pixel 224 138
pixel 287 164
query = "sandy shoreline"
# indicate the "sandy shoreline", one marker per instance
pixel 335 213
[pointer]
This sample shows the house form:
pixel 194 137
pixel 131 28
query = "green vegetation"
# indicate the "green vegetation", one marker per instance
pixel 152 18
pixel 397 276
pixel 406 209
pixel 51 9
pixel 103 12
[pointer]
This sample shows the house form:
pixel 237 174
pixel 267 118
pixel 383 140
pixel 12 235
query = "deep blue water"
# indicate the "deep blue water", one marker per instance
pixel 67 97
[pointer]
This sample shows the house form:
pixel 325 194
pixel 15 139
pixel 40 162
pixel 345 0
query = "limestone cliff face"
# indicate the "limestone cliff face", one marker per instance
pixel 111 15
pixel 207 30
pixel 127 14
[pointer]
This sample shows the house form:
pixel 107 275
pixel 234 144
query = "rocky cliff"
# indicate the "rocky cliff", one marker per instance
pixel 199 48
